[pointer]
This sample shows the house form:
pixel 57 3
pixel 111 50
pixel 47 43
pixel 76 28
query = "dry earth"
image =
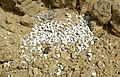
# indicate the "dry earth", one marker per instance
pixel 16 23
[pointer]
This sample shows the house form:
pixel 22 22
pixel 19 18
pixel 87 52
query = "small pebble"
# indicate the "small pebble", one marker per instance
pixel 2 35
pixel 21 46
pixel 94 74
pixel 8 76
pixel 8 33
pixel 22 51
pixel 26 48
pixel 5 38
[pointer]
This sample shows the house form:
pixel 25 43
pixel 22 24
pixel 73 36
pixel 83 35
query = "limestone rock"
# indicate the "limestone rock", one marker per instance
pixel 105 11
pixel 116 11
pixel 55 3
pixel 94 27
pixel 26 21
pixel 115 28
pixel 12 19
pixel 63 3
pixel 21 7
pixel 29 7
pixel 102 11
pixel 86 5
pixel 115 22
pixel 72 4
pixel 9 5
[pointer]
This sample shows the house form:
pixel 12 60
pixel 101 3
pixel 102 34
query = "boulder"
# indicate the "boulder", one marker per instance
pixel 56 3
pixel 26 21
pixel 102 11
pixel 30 7
pixel 115 20
pixel 105 11
pixel 21 7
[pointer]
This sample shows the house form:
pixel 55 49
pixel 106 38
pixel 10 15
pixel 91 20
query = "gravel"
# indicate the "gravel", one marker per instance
pixel 50 35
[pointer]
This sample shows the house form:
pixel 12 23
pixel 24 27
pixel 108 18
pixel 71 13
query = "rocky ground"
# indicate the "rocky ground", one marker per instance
pixel 17 21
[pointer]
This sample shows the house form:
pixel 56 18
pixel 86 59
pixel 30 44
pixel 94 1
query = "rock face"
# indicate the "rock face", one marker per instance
pixel 22 7
pixel 57 3
pixel 9 5
pixel 102 11
pixel 105 11
pixel 26 21
pixel 64 3
pixel 32 7
pixel 29 7
pixel 115 21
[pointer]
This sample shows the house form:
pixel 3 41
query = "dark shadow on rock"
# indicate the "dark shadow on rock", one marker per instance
pixel 9 6
pixel 46 3
pixel 88 18
pixel 108 27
